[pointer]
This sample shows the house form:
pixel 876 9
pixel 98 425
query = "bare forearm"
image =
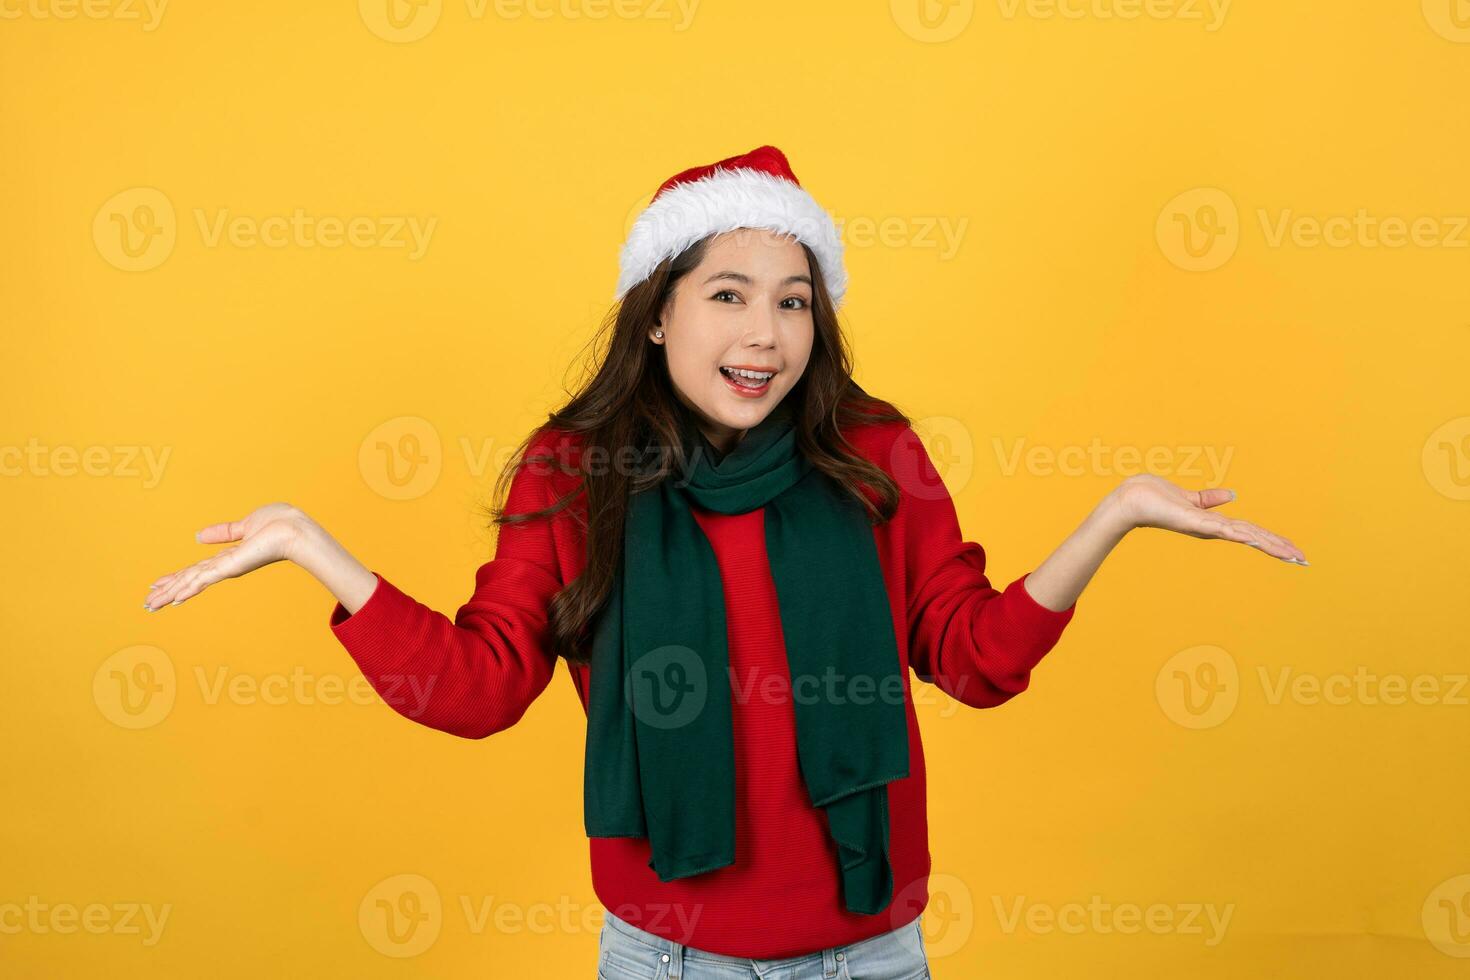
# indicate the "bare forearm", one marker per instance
pixel 334 566
pixel 1059 580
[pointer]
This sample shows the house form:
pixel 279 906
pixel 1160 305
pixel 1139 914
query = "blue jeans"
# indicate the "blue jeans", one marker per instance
pixel 626 952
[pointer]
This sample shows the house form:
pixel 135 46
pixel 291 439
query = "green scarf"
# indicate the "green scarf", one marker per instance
pixel 660 747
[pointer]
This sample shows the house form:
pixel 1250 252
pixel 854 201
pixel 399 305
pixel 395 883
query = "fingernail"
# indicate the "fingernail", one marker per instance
pixel 1232 494
pixel 196 536
pixel 176 602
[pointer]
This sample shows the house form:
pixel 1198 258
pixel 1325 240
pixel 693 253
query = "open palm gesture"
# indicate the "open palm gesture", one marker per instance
pixel 265 535
pixel 1151 501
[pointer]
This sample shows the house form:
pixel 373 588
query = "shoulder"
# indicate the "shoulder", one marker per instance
pixel 549 466
pixel 887 439
pixel 878 432
pixel 551 440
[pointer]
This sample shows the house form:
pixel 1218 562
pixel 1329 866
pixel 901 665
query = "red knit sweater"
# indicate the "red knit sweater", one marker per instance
pixel 782 895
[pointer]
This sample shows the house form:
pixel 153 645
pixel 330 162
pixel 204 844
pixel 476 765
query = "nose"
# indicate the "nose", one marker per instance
pixel 760 327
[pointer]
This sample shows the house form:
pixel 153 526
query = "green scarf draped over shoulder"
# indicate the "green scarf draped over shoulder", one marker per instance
pixel 660 747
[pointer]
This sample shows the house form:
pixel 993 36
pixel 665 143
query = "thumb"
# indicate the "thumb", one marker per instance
pixel 217 533
pixel 1213 497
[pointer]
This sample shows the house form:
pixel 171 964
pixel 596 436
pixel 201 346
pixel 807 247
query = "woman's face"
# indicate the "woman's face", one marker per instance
pixel 746 305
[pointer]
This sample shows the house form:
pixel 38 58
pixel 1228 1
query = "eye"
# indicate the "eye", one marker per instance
pixel 723 292
pixel 800 301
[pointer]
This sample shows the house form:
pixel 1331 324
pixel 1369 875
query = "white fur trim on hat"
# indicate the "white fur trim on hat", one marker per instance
pixel 721 202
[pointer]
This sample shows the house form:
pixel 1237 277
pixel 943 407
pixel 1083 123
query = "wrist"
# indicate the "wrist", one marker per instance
pixel 307 543
pixel 1111 515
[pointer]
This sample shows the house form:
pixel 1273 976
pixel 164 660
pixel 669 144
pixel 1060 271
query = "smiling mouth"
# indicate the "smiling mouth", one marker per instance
pixel 750 378
pixel 747 382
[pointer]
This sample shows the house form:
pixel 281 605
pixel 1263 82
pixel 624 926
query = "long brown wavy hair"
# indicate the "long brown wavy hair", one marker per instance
pixel 629 402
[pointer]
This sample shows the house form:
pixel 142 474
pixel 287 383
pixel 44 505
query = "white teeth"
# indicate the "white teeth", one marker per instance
pixel 753 375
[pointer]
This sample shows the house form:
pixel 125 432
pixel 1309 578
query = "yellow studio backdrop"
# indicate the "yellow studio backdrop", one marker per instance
pixel 346 255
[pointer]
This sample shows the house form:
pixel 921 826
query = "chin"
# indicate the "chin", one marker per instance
pixel 741 412
pixel 733 412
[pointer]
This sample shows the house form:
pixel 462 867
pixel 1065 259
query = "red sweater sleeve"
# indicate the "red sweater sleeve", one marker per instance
pixel 976 643
pixel 477 675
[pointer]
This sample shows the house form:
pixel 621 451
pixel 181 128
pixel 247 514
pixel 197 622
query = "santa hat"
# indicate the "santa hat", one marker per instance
pixel 752 190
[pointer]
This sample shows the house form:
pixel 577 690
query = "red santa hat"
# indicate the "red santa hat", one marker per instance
pixel 752 190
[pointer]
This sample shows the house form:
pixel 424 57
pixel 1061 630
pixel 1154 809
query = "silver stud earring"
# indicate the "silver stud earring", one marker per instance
pixel 658 333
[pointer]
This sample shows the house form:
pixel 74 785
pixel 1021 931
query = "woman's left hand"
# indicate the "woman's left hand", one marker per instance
pixel 1146 500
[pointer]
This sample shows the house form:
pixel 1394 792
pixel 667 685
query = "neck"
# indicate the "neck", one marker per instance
pixel 722 437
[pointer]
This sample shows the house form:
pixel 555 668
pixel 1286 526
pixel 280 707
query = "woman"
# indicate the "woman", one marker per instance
pixel 751 551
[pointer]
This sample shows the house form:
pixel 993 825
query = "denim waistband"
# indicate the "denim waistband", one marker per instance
pixel 678 952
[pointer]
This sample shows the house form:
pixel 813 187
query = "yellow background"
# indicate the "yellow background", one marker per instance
pixel 1068 316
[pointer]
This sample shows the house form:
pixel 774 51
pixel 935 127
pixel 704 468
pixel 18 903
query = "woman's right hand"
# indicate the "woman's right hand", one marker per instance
pixel 268 534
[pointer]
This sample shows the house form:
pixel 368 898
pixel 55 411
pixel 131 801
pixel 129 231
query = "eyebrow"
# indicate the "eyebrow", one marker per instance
pixel 741 277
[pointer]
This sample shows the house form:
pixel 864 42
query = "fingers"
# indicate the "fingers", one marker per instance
pixel 193 584
pixel 168 589
pixel 160 588
pixel 1286 549
pixel 1244 531
pixel 162 592
pixel 1252 535
pixel 1271 544
pixel 174 589
pixel 182 584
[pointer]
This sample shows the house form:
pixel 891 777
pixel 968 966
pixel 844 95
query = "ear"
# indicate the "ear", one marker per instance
pixel 660 320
